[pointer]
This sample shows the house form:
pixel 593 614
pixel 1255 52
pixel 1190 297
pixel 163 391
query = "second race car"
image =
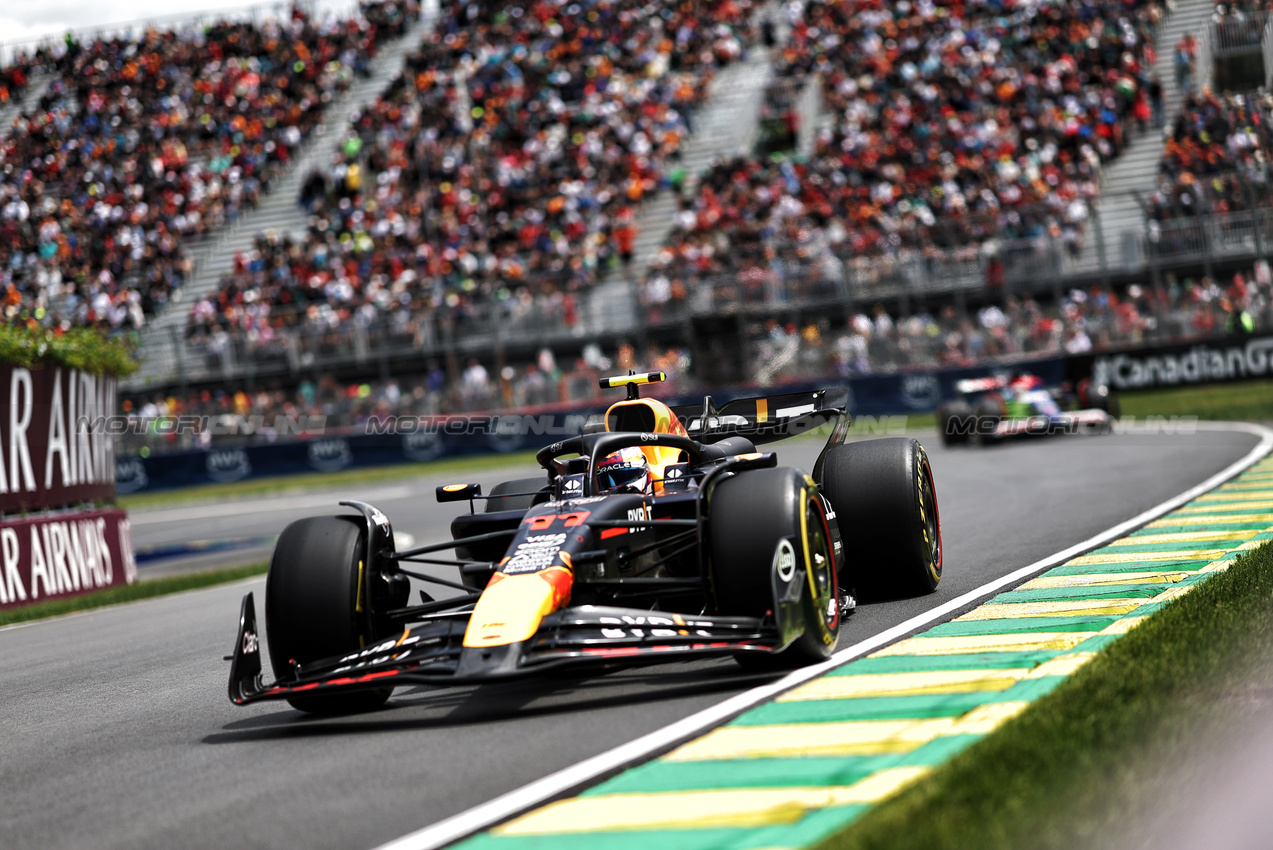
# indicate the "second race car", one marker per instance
pixel 987 410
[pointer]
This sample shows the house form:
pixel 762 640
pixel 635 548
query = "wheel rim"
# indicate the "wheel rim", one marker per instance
pixel 930 523
pixel 824 587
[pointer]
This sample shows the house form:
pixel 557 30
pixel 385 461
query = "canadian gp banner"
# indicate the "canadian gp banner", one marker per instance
pixel 1210 362
pixel 60 555
pixel 50 455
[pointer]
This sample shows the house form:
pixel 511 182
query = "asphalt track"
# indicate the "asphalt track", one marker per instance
pixel 118 732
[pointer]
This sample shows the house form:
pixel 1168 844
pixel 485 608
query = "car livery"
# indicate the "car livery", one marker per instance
pixel 723 553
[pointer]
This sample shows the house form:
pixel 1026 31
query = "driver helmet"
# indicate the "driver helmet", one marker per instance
pixel 624 471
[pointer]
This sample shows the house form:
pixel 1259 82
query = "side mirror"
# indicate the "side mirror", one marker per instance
pixel 458 492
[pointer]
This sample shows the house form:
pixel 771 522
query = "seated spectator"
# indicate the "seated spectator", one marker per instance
pixel 500 174
pixel 953 125
pixel 1216 158
pixel 142 143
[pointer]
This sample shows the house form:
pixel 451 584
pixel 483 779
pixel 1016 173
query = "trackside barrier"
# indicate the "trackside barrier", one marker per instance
pixel 430 438
pixel 382 442
pixel 408 439
pixel 1212 361
pixel 59 555
pixel 53 542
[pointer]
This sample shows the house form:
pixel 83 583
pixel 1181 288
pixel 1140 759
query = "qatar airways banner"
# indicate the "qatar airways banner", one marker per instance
pixel 49 457
pixel 57 556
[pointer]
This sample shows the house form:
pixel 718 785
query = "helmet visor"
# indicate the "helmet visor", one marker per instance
pixel 622 476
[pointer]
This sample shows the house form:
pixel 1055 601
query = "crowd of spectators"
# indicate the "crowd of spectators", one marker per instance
pixel 505 165
pixel 16 75
pixel 1216 158
pixel 338 321
pixel 1083 320
pixel 953 123
pixel 442 389
pixel 142 142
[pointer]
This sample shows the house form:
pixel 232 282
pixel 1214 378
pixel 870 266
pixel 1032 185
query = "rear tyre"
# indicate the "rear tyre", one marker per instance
pixel 1098 396
pixel 530 487
pixel 750 513
pixel 492 550
pixel 986 417
pixel 954 422
pixel 886 506
pixel 311 599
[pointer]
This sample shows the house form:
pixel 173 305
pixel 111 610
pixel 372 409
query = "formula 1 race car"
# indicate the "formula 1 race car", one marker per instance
pixel 659 534
pixel 988 409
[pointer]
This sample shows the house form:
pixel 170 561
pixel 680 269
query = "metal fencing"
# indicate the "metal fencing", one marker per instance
pixel 309 343
pixel 1266 46
pixel 293 344
pixel 1237 34
pixel 1212 238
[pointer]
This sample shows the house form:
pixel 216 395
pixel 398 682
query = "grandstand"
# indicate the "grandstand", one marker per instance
pixel 742 190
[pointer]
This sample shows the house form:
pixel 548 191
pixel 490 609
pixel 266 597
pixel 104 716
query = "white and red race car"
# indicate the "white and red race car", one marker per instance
pixel 989 409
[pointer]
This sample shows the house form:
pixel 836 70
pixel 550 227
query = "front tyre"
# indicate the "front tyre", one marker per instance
pixel 751 513
pixel 312 605
pixel 886 506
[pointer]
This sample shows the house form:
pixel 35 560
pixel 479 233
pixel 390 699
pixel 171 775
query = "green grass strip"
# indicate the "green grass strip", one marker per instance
pixel 129 593
pixel 1075 760
pixel 1242 400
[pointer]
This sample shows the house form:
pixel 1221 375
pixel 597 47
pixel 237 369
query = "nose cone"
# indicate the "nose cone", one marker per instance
pixel 511 607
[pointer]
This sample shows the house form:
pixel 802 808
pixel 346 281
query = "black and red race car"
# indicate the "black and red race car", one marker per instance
pixel 657 535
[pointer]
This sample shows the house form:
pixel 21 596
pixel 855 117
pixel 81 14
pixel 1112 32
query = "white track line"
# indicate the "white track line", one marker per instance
pixel 578 775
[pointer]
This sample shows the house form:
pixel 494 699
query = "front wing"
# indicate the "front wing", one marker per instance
pixel 432 653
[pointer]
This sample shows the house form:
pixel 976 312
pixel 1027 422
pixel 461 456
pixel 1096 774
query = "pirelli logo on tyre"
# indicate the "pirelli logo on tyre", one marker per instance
pixel 785 561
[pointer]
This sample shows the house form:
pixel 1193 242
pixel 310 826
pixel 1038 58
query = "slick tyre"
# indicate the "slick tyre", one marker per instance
pixel 527 490
pixel 311 599
pixel 986 417
pixel 528 487
pixel 750 514
pixel 1099 397
pixel 886 506
pixel 954 422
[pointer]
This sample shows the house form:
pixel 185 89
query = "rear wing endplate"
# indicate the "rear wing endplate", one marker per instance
pixel 764 419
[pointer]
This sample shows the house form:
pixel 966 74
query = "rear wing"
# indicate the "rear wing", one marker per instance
pixel 764 419
pixel 969 386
